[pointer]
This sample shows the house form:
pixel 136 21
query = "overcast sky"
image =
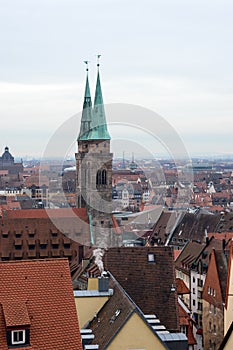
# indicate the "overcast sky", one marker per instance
pixel 173 57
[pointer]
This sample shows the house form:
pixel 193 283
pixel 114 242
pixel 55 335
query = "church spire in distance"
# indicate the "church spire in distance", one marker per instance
pixel 86 120
pixel 99 126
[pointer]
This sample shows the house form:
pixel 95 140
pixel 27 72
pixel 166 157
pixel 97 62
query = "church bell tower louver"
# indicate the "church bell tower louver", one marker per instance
pixel 94 167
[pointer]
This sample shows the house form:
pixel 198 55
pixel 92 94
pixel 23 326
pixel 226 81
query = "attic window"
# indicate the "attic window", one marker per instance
pixel 151 257
pixel 18 337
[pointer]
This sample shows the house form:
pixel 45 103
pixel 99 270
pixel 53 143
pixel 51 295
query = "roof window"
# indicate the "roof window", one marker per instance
pixel 151 257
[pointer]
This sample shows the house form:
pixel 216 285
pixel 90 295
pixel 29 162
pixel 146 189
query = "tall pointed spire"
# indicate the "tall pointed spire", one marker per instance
pixel 87 111
pixel 99 126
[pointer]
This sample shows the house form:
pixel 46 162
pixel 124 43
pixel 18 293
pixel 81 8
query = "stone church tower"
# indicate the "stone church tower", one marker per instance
pixel 94 167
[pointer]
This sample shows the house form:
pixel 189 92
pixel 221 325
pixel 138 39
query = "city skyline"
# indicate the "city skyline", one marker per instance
pixel 172 58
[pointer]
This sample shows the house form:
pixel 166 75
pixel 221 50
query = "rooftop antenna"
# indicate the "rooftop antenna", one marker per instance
pixel 86 63
pixel 98 60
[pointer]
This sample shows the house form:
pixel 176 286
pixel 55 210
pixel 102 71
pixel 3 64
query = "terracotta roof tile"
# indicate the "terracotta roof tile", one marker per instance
pixel 181 287
pixel 176 253
pixel 44 286
pixel 44 227
pixel 185 320
pixel 45 213
pixel 15 313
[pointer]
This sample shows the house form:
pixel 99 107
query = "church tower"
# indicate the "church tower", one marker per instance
pixel 94 167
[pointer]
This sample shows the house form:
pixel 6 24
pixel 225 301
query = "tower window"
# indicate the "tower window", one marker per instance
pixel 98 177
pixel 101 177
pixel 104 177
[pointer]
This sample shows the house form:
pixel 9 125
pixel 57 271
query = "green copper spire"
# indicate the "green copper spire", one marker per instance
pixel 86 113
pixel 99 126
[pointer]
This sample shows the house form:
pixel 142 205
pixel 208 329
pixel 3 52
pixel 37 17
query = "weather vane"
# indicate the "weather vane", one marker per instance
pixel 98 60
pixel 86 62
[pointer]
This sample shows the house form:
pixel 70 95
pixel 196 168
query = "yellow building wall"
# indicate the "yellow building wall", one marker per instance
pixel 92 284
pixel 87 307
pixel 135 335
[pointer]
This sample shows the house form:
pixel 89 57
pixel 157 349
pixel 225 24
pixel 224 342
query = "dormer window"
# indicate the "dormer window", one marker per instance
pixel 18 337
pixel 17 323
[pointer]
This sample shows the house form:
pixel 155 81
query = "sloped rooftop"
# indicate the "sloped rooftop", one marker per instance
pixel 147 275
pixel 43 292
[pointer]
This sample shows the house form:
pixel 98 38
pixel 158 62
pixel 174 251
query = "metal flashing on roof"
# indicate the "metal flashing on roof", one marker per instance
pixel 167 337
pixel 85 331
pixel 87 336
pixel 150 316
pixel 153 321
pixel 159 327
pixel 92 293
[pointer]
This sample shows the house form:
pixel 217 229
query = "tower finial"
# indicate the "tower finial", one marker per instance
pixel 86 63
pixel 98 60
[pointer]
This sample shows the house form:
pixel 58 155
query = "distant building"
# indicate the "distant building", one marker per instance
pixel 9 171
pixel 214 294
pixel 40 233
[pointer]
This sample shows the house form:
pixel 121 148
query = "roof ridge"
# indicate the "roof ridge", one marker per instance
pixel 33 261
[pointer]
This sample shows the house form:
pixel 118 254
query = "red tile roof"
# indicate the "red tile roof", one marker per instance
pixel 185 320
pixel 181 287
pixel 15 313
pixel 44 287
pixel 43 225
pixel 116 226
pixel 176 253
pixel 45 213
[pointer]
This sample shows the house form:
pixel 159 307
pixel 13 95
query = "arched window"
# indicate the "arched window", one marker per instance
pixel 88 174
pixel 104 177
pixel 98 178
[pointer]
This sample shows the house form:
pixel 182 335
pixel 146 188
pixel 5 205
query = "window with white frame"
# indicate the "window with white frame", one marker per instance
pixel 18 337
pixel 183 329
